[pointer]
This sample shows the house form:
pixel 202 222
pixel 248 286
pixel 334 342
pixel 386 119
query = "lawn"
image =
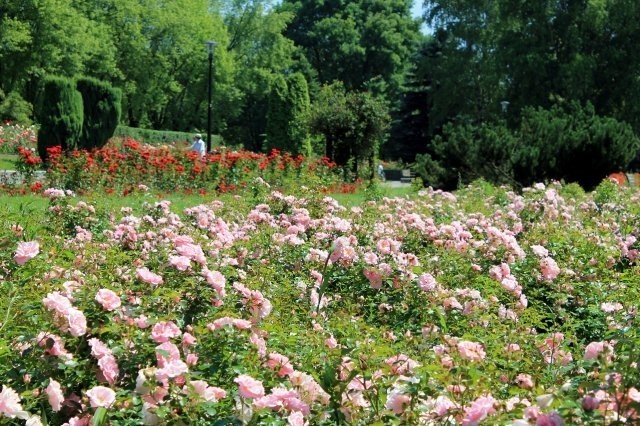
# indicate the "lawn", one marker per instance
pixel 7 161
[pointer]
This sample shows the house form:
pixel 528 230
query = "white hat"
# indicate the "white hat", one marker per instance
pixel 198 135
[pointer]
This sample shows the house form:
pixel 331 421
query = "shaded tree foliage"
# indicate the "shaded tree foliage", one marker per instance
pixel 352 124
pixel 568 142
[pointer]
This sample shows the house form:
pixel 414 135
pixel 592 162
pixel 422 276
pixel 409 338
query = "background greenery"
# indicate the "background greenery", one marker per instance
pixel 475 63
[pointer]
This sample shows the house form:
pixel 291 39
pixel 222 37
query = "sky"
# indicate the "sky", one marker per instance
pixel 416 10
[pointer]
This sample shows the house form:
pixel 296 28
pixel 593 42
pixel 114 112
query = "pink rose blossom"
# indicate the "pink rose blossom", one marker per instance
pixel 100 396
pixel 181 263
pixel 109 368
pixel 206 392
pixel 108 299
pixel 10 404
pixel 471 351
pixel 192 359
pixel 296 418
pixel 479 410
pixel 427 282
pixel 280 364
pixel 217 281
pixel 331 342
pixel 26 251
pixel 145 275
pixel 282 398
pixel 172 369
pixel 249 387
pixel 54 395
pixel 397 402
pixel 98 349
pixel 549 269
pixel 164 330
pixel 166 352
pixel 525 381
pixel 77 322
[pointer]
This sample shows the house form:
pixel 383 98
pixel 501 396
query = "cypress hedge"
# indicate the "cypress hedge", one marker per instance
pixel 60 115
pixel 102 108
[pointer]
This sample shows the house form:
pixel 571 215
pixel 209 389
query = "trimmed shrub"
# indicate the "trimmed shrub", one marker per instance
pixel 102 107
pixel 569 143
pixel 60 115
pixel 573 144
pixel 278 112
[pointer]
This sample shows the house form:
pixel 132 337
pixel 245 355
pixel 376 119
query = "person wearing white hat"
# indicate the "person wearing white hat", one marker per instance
pixel 199 145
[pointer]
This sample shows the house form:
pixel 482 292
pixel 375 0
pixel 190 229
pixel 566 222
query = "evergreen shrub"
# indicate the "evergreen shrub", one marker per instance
pixel 102 108
pixel 60 115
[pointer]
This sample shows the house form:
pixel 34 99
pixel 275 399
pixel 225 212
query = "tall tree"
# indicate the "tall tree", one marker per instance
pixel 41 37
pixel 262 54
pixel 352 124
pixel 360 43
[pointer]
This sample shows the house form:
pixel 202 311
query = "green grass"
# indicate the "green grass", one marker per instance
pixel 32 208
pixel 7 161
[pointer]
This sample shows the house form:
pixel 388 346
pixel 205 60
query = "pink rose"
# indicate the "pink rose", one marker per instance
pixel 109 368
pixel 397 402
pixel 166 352
pixel 181 263
pixel 249 387
pixel 145 275
pixel 77 322
pixel 479 410
pixel 331 342
pixel 296 418
pixel 164 330
pixel 10 404
pixel 55 395
pixel 192 251
pixel 108 299
pixel 26 251
pixel 525 381
pixel 471 351
pixel 100 396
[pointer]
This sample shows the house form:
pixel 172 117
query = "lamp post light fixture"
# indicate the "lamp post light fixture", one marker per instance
pixel 505 106
pixel 210 46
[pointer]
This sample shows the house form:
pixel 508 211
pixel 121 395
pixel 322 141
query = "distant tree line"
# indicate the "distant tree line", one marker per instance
pixel 354 79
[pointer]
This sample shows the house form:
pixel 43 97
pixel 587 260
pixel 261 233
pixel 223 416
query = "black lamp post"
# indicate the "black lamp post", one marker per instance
pixel 210 45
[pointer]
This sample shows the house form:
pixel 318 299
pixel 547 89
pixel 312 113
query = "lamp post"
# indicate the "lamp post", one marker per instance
pixel 505 106
pixel 210 46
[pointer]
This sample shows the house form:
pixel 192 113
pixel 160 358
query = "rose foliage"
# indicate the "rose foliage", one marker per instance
pixel 479 307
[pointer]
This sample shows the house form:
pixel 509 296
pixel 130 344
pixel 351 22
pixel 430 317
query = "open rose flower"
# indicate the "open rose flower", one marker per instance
pixel 109 300
pixel 249 387
pixel 101 396
pixel 26 251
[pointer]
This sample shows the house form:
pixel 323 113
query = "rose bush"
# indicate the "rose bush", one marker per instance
pixel 479 307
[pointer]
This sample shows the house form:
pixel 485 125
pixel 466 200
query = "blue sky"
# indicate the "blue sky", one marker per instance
pixel 416 10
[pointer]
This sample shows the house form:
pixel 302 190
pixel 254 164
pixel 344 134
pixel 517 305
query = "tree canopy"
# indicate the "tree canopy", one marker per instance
pixel 482 62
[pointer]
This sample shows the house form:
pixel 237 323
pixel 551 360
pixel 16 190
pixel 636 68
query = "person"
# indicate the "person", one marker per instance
pixel 199 145
pixel 381 171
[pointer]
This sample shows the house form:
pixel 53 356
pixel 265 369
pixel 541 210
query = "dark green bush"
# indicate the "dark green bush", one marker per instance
pixel 568 142
pixel 102 107
pixel 160 137
pixel 14 108
pixel 573 144
pixel 60 115
pixel 465 153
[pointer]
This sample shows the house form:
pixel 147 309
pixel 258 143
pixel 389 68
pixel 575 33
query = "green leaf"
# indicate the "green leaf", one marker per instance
pixel 100 417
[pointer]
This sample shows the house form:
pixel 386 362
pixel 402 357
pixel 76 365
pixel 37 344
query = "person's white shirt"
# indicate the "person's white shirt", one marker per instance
pixel 199 146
